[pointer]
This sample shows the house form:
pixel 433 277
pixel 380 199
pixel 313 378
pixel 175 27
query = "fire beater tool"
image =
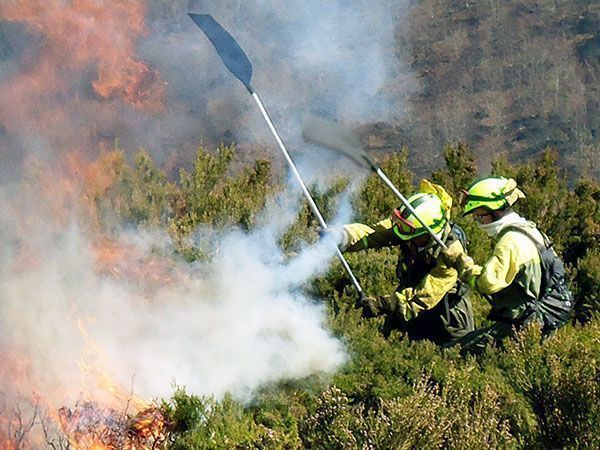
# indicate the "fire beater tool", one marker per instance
pixel 334 136
pixel 239 65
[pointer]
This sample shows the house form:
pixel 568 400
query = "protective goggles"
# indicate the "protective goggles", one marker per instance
pixel 405 226
pixel 464 197
pixel 479 217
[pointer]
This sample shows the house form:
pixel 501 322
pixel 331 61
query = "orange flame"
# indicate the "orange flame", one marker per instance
pixel 127 262
pixel 92 44
pixel 89 427
pixel 77 188
pixel 81 33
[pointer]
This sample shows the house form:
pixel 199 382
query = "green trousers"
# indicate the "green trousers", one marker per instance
pixel 475 342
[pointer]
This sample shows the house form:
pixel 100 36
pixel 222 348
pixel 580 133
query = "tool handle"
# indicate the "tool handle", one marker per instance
pixel 311 202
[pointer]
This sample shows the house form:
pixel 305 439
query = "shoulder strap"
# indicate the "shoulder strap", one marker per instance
pixel 434 245
pixel 540 247
pixel 456 232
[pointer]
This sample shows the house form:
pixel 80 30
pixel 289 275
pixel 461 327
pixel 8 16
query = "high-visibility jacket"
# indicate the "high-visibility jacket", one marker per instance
pixel 424 278
pixel 512 276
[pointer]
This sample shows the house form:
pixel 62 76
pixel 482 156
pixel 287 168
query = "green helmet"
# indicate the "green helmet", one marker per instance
pixel 429 209
pixel 493 194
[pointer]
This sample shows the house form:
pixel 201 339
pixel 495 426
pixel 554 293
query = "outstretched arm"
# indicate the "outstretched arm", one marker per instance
pixel 357 236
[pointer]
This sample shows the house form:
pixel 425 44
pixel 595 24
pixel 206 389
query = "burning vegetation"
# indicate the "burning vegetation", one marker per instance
pixel 64 104
pixel 29 417
pixel 85 35
pixel 87 426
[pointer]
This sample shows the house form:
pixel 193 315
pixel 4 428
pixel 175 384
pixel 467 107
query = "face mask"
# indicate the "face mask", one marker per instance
pixel 492 229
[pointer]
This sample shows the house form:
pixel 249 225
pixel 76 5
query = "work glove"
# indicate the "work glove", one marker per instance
pixel 451 254
pixel 360 300
pixel 467 270
pixel 337 235
pixel 372 306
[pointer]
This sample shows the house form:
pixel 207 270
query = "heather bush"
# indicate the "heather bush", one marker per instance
pixel 203 423
pixel 560 379
pixel 213 194
pixel 136 194
pixel 392 392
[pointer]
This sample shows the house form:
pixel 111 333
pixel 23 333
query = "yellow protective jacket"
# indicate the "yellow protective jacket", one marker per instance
pixel 512 276
pixel 424 278
pixel 418 291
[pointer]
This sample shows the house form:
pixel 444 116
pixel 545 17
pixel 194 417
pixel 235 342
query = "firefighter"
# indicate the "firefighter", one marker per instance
pixel 513 278
pixel 430 302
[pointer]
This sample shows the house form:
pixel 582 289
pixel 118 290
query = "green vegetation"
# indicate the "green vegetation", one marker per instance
pixel 392 393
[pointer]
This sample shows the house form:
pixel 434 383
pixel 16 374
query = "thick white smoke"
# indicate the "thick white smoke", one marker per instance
pixel 229 324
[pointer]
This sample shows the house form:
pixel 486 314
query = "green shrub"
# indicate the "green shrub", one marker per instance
pixel 203 423
pixel 560 379
pixel 588 285
pixel 375 201
pixel 392 393
pixel 211 194
pixel 131 195
pixel 432 416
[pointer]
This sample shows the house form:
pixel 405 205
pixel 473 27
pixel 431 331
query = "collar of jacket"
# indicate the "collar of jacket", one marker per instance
pixel 494 228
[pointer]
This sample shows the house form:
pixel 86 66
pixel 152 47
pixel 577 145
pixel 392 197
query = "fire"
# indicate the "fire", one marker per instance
pixel 91 426
pixel 88 426
pixel 85 33
pixel 61 190
pixel 70 190
pixel 82 69
pixel 125 261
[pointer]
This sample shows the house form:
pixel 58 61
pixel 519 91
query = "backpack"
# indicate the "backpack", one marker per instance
pixel 457 315
pixel 460 234
pixel 555 301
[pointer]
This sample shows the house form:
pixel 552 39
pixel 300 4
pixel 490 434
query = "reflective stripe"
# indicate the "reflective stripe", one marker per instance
pixel 416 203
pixel 492 197
pixel 365 241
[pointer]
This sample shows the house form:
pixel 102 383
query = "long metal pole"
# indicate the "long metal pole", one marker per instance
pixel 333 135
pixel 311 202
pixel 239 65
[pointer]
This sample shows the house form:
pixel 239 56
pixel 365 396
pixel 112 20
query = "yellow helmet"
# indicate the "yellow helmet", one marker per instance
pixel 429 209
pixel 493 194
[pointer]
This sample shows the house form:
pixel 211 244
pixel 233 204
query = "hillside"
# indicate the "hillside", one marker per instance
pixel 163 282
pixel 514 77
pixel 218 288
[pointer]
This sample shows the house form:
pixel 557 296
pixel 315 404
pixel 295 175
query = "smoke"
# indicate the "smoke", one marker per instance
pixel 77 78
pixel 336 59
pixel 87 75
pixel 229 324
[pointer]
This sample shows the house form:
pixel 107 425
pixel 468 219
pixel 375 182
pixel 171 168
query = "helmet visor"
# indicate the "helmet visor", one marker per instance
pixel 403 225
